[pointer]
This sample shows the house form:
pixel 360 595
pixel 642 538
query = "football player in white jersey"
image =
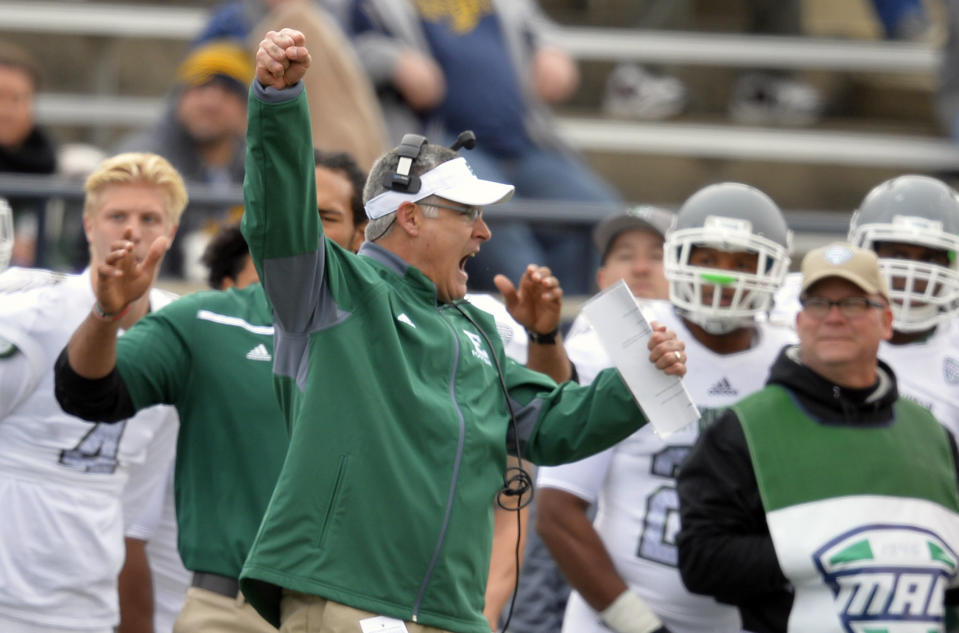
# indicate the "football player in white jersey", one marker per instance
pixel 61 479
pixel 631 249
pixel 726 256
pixel 912 223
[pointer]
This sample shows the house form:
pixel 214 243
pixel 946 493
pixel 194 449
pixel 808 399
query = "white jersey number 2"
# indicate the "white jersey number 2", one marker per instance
pixel 657 541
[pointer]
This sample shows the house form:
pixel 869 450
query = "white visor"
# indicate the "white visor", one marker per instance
pixel 453 180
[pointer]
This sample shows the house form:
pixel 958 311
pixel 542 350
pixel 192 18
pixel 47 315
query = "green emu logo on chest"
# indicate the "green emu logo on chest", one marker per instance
pixel 478 350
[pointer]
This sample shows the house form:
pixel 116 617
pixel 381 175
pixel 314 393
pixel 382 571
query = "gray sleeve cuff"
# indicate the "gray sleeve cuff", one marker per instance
pixel 272 95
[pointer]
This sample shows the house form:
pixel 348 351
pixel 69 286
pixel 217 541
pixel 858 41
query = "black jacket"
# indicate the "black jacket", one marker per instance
pixel 725 549
pixel 36 155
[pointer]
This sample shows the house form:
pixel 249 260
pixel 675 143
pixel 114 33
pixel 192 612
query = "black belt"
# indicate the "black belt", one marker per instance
pixel 216 583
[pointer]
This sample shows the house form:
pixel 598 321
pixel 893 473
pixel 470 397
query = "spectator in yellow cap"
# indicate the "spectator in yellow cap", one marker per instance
pixel 201 132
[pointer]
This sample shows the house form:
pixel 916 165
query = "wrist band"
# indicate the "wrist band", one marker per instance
pixel 629 614
pixel 107 316
pixel 543 339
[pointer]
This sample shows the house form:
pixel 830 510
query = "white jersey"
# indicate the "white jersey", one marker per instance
pixel 927 371
pixel 634 481
pixel 61 478
pixel 515 340
pixel 150 515
pixel 786 302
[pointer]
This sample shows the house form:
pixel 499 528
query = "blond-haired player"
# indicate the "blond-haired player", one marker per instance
pixel 61 538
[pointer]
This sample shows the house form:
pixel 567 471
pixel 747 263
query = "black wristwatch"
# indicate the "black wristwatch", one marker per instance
pixel 542 339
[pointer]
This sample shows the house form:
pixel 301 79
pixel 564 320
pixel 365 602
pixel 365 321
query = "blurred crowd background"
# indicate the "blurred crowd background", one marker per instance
pixel 812 101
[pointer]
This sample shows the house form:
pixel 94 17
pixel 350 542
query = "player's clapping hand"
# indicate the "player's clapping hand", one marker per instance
pixel 282 58
pixel 121 279
pixel 538 302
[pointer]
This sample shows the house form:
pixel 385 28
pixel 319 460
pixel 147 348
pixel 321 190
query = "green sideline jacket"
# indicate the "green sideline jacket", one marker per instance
pixel 209 354
pixel 398 424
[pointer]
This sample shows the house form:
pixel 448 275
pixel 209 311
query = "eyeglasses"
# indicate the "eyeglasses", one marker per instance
pixel 471 213
pixel 849 307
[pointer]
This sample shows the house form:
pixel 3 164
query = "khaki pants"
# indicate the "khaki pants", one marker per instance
pixel 208 612
pixel 303 613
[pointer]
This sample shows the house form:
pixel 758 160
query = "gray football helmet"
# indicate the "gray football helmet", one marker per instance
pixel 729 217
pixel 917 210
pixel 6 234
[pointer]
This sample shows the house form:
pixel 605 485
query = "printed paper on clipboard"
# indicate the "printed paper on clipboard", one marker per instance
pixel 624 333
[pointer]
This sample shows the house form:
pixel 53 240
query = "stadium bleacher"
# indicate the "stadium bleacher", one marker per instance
pixel 672 157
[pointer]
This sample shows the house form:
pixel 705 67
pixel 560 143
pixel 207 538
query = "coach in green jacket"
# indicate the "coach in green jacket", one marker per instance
pixel 397 394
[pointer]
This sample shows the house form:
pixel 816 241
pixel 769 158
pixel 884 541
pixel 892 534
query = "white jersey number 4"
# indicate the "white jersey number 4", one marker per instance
pixel 96 452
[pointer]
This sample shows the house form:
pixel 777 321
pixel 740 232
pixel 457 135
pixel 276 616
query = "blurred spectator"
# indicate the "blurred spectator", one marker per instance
pixel 442 67
pixel 202 131
pixel 75 161
pixel 762 97
pixel 643 91
pixel 24 147
pixel 948 97
pixel 903 19
pixel 344 113
pixel 234 19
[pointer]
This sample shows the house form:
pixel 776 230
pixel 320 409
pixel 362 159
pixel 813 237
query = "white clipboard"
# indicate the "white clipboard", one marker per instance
pixel 624 334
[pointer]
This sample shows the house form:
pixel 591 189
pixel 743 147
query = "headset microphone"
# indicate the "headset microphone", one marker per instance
pixel 466 139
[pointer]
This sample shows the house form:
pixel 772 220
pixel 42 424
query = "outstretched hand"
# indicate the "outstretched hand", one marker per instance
pixel 538 302
pixel 121 279
pixel 282 58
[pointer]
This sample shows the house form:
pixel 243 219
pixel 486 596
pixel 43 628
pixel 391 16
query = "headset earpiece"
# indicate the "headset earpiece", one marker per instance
pixel 408 150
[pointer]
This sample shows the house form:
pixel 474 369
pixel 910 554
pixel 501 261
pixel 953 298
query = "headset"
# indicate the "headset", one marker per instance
pixel 409 150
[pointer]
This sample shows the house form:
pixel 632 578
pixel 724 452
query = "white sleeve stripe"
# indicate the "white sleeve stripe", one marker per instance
pixel 223 319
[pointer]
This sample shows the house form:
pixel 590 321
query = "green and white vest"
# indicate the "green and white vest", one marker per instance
pixel 864 520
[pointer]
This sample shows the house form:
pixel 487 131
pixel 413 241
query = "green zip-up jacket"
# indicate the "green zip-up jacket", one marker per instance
pixel 398 422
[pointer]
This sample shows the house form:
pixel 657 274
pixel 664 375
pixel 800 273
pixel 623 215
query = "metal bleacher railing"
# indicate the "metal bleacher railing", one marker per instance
pixel 590 134
pixel 811 227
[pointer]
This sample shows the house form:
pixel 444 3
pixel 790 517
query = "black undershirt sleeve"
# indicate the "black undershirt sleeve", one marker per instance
pixel 100 400
pixel 725 549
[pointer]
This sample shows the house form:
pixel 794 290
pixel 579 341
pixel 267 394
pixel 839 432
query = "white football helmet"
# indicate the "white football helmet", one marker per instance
pixel 913 210
pixel 730 217
pixel 6 234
